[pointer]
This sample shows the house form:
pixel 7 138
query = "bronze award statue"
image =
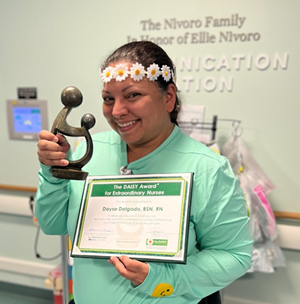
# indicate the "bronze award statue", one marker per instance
pixel 71 97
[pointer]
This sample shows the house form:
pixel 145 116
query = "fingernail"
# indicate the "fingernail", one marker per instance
pixel 65 162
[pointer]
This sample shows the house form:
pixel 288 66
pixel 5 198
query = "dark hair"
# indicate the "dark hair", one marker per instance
pixel 146 53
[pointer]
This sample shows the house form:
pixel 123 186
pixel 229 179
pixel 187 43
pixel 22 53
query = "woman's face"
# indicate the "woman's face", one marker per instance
pixel 138 111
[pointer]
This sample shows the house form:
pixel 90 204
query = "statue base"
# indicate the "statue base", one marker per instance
pixel 68 173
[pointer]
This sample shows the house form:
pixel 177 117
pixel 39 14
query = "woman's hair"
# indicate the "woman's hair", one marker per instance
pixel 146 53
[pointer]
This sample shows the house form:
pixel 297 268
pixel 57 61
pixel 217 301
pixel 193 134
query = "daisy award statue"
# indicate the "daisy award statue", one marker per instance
pixel 71 98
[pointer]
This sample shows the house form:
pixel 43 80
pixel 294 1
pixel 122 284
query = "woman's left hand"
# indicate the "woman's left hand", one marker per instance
pixel 132 270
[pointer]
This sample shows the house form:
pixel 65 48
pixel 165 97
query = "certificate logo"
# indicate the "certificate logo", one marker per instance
pixel 157 242
pixel 149 242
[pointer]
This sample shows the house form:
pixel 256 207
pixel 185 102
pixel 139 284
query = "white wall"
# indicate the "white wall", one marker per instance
pixel 263 288
pixel 18 261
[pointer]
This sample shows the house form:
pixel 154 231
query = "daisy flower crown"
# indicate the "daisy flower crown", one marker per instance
pixel 137 72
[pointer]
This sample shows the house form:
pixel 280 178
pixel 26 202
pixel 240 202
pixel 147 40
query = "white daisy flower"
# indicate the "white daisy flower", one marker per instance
pixel 137 72
pixel 166 72
pixel 107 74
pixel 153 72
pixel 120 72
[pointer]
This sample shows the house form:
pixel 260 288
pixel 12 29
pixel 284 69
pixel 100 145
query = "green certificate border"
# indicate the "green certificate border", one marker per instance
pixel 178 256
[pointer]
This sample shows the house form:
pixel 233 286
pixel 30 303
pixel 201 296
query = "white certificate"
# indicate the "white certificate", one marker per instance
pixel 145 217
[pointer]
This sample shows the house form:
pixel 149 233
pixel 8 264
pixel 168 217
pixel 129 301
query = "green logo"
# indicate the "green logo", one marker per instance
pixel 157 242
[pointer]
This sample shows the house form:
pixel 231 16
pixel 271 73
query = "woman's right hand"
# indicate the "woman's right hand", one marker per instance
pixel 52 149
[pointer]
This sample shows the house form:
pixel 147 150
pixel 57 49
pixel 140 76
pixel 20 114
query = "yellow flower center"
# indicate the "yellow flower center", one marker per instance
pixel 137 72
pixel 153 72
pixel 166 73
pixel 120 72
pixel 107 74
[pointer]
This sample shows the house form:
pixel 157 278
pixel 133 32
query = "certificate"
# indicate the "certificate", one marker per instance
pixel 145 217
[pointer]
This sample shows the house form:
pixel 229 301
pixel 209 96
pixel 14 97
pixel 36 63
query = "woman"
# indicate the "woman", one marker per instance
pixel 141 105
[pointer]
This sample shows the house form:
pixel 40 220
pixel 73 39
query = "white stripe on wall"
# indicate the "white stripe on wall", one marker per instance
pixel 25 267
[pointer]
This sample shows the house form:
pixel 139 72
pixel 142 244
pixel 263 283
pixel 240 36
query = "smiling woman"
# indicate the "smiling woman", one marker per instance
pixel 126 107
pixel 141 104
pixel 131 93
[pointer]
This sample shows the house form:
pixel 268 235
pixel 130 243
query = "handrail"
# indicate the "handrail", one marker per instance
pixel 287 215
pixel 17 188
pixel 278 214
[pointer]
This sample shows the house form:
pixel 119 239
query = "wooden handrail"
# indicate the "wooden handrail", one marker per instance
pixel 278 214
pixel 18 188
pixel 287 215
